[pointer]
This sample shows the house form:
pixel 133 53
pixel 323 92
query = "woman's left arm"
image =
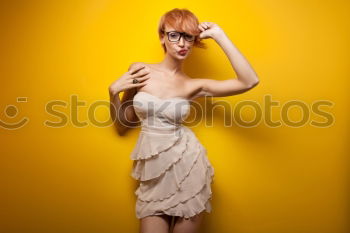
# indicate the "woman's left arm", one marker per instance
pixel 246 76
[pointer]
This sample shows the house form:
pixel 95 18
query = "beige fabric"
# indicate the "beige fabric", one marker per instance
pixel 170 163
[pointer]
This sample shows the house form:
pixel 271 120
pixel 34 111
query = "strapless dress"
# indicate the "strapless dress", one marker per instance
pixel 170 163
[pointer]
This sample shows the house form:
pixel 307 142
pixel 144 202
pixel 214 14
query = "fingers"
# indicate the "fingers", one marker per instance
pixel 210 24
pixel 141 84
pixel 134 70
pixel 201 27
pixel 139 74
pixel 140 79
pixel 204 25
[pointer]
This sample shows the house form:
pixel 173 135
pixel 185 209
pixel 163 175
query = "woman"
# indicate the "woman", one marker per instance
pixel 171 164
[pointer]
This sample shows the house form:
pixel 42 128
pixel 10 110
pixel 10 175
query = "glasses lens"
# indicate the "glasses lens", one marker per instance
pixel 174 36
pixel 189 37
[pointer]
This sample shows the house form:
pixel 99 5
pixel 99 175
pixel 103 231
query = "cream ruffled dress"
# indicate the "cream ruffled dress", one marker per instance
pixel 170 163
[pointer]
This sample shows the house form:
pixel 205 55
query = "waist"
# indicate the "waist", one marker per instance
pixel 167 129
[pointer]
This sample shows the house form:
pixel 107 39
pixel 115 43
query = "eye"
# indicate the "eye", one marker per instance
pixel 189 37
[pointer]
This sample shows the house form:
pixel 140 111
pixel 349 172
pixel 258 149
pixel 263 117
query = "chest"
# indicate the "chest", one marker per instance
pixel 164 85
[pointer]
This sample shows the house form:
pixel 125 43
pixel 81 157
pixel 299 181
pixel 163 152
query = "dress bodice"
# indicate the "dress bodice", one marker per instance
pixel 157 113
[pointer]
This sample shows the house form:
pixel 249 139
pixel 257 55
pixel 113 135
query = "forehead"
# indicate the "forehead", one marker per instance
pixel 169 28
pixel 172 28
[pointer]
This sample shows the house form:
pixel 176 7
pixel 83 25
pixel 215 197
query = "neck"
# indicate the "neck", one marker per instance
pixel 172 64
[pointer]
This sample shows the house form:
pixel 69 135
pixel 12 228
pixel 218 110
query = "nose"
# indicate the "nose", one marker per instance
pixel 182 41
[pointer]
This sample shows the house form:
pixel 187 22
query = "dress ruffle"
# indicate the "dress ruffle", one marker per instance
pixel 175 174
pixel 152 143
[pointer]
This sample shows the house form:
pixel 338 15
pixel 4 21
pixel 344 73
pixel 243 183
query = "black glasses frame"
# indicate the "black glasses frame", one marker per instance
pixel 181 34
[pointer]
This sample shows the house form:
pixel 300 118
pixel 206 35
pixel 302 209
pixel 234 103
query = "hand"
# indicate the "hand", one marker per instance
pixel 209 30
pixel 125 82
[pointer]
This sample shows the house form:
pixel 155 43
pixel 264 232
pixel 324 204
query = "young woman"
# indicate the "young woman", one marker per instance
pixel 171 164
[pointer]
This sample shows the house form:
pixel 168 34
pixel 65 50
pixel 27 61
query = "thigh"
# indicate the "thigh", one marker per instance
pixel 190 225
pixel 155 224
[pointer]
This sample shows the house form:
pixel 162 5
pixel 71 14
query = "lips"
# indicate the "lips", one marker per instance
pixel 183 51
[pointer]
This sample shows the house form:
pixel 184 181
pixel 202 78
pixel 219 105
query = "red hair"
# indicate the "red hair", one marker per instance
pixel 181 20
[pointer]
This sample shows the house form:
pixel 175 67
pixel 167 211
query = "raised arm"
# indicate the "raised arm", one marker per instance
pixel 246 76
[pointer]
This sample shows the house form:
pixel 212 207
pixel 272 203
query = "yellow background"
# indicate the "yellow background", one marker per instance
pixel 267 180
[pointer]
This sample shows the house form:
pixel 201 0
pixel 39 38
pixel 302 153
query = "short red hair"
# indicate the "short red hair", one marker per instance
pixel 181 20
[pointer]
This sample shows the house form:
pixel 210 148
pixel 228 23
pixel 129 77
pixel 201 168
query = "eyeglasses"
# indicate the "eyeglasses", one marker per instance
pixel 175 36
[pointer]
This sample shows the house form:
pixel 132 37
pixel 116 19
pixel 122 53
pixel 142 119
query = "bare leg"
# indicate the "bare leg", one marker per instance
pixel 155 224
pixel 191 225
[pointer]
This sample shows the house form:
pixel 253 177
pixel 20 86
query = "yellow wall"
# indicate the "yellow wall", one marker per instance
pixel 76 178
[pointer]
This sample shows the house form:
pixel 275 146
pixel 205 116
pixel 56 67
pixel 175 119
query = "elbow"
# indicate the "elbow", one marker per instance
pixel 121 132
pixel 253 84
pixel 125 126
pixel 121 129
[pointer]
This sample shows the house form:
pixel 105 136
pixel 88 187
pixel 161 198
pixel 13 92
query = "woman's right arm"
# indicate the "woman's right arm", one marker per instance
pixel 121 111
pixel 117 111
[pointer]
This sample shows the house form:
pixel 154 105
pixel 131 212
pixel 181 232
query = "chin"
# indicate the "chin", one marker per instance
pixel 178 57
pixel 181 57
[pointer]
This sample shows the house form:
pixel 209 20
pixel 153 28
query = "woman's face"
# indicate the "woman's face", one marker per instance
pixel 174 48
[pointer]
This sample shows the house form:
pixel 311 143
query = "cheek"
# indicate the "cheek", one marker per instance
pixel 171 46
